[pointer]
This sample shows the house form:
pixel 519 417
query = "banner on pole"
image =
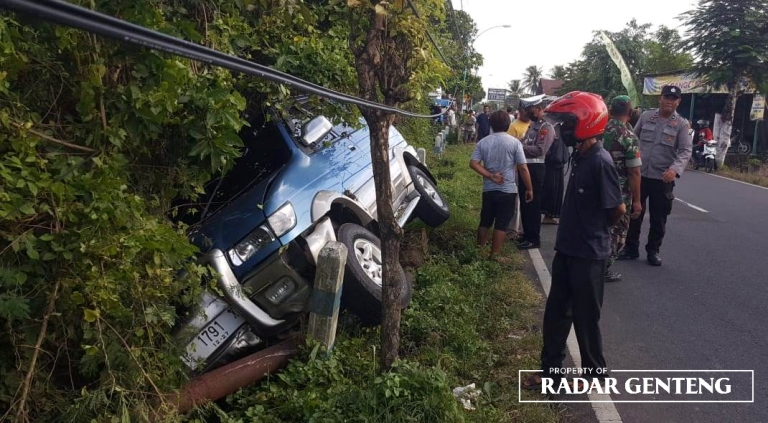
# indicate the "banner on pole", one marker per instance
pixel 626 75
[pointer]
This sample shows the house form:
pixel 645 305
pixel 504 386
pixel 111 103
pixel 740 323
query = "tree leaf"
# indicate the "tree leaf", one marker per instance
pixel 90 316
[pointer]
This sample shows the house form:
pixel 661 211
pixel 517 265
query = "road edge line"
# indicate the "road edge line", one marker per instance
pixel 731 179
pixel 605 412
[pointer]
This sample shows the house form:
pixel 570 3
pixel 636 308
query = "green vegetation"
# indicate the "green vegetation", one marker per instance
pixel 643 51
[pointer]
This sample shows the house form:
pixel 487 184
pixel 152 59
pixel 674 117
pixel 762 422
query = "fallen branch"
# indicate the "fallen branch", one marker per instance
pixel 21 414
pixel 54 140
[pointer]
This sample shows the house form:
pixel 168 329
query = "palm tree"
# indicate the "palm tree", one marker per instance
pixel 558 72
pixel 531 79
pixel 516 87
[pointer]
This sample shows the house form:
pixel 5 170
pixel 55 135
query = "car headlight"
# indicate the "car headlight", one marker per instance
pixel 283 220
pixel 246 248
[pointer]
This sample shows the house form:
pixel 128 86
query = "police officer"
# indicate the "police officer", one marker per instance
pixel 665 145
pixel 536 142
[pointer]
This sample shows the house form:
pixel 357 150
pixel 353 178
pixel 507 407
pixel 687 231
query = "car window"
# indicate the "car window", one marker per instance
pixel 264 152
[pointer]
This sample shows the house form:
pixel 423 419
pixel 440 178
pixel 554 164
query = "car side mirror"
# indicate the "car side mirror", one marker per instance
pixel 315 130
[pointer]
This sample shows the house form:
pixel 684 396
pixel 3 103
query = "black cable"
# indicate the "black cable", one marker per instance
pixel 78 17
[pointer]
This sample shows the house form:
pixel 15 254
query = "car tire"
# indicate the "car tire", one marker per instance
pixel 361 293
pixel 432 209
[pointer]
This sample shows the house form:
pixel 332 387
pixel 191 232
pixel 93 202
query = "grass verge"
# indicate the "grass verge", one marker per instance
pixel 756 177
pixel 470 321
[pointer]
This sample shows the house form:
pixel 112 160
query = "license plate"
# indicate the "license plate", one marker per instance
pixel 211 337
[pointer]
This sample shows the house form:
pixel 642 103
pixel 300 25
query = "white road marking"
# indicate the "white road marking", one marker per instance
pixel 695 207
pixel 604 411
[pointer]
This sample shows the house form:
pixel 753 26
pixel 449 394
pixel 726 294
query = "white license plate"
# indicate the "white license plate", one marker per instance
pixel 211 336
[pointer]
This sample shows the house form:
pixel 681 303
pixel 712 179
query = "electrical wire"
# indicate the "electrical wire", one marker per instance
pixel 98 23
pixel 429 34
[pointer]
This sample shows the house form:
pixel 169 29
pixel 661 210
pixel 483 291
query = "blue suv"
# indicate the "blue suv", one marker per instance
pixel 300 183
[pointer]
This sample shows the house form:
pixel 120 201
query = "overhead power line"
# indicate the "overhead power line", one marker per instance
pixel 429 34
pixel 98 23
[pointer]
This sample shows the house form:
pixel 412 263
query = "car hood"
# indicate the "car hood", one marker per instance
pixel 232 222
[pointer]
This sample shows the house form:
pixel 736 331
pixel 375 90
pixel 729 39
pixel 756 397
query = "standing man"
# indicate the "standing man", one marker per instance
pixel 452 117
pixel 483 123
pixel 592 205
pixel 624 147
pixel 536 142
pixel 517 129
pixel 519 126
pixel 496 158
pixel 665 143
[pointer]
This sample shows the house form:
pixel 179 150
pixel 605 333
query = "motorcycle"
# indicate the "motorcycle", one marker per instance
pixel 738 145
pixel 708 154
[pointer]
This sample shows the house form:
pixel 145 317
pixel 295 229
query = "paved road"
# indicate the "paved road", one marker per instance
pixel 705 308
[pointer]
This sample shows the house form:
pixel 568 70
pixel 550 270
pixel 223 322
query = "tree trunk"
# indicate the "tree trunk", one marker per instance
pixel 725 125
pixel 391 234
pixel 374 56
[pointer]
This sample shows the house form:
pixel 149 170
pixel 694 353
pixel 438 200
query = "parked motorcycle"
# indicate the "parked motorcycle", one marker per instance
pixel 708 155
pixel 738 145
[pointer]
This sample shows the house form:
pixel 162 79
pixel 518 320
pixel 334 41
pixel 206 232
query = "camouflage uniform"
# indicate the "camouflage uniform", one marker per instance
pixel 624 147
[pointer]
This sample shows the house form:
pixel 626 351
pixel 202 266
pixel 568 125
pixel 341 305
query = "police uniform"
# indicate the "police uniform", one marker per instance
pixel 536 142
pixel 665 143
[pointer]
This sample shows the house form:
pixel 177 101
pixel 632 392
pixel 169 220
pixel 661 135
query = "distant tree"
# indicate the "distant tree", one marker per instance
pixel 516 87
pixel 558 72
pixel 643 51
pixel 531 79
pixel 666 52
pixel 729 39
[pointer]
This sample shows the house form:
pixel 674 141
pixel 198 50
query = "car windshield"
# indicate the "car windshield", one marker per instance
pixel 264 153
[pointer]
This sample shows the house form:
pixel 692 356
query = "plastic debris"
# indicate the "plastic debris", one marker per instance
pixel 467 394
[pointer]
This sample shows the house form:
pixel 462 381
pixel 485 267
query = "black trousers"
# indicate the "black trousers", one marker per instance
pixel 552 193
pixel 660 197
pixel 530 213
pixel 576 297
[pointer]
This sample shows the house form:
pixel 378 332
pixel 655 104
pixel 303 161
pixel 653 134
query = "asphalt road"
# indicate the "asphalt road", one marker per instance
pixel 705 308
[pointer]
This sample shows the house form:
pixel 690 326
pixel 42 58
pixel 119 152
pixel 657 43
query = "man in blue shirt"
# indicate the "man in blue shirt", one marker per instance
pixel 593 204
pixel 496 157
pixel 483 123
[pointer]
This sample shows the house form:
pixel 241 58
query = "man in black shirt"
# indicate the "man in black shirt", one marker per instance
pixel 484 123
pixel 593 204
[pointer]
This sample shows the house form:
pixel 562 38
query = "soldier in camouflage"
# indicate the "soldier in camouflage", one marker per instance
pixel 624 147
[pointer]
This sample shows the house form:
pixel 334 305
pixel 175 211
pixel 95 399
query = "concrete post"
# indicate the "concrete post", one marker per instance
pixel 326 295
pixel 421 154
pixel 439 143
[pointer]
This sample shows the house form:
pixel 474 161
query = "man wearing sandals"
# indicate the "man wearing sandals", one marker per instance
pixel 593 204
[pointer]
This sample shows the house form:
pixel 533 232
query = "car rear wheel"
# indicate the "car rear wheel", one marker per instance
pixel 432 209
pixel 362 289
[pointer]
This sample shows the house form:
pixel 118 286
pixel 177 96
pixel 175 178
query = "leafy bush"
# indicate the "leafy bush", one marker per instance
pixel 97 138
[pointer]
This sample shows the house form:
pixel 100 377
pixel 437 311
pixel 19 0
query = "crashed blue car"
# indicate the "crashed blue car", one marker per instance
pixel 300 183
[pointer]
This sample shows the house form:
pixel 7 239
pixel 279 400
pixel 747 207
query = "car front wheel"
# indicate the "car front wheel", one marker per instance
pixel 363 274
pixel 432 209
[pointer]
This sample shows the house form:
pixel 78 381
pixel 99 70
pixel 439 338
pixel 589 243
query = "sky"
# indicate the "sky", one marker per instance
pixel 553 32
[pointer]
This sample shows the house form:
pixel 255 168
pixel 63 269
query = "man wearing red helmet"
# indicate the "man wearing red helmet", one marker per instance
pixel 592 205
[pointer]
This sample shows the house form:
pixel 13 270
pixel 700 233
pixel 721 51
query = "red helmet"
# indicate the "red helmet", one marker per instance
pixel 581 116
